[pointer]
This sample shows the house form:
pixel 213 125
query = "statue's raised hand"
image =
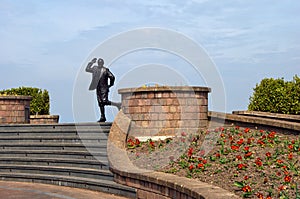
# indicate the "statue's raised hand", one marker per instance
pixel 94 60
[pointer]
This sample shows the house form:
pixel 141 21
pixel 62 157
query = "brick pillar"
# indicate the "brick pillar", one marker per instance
pixel 165 111
pixel 14 109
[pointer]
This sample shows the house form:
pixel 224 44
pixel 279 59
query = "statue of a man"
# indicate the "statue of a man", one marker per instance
pixel 100 82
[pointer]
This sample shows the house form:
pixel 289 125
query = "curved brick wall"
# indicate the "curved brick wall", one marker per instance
pixel 14 109
pixel 163 110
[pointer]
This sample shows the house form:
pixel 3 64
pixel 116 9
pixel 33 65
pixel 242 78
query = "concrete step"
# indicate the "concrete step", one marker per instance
pixel 78 182
pixel 82 154
pixel 53 138
pixel 103 174
pixel 74 146
pixel 61 162
pixel 57 127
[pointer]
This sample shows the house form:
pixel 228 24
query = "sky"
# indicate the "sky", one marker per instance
pixel 46 44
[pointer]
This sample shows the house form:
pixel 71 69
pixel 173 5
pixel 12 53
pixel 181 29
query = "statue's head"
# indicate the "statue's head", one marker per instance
pixel 100 62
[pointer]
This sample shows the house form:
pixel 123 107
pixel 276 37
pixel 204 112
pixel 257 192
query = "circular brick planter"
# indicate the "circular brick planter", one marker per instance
pixel 14 109
pixel 161 111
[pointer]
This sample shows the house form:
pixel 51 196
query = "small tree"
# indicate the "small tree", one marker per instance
pixel 40 103
pixel 276 96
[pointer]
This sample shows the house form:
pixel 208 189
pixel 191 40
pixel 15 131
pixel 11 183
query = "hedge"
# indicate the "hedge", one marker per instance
pixel 40 103
pixel 276 96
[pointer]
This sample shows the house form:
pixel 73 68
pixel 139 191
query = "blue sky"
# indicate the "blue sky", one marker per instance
pixel 45 43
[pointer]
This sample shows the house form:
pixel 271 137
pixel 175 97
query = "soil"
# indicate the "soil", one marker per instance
pixel 248 162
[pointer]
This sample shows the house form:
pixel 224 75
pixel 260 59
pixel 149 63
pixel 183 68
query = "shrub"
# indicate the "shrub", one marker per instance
pixel 40 98
pixel 276 96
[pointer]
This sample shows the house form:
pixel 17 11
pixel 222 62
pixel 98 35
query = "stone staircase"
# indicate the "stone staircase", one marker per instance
pixel 62 154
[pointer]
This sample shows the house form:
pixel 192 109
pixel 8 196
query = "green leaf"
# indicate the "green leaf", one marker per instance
pixel 239 184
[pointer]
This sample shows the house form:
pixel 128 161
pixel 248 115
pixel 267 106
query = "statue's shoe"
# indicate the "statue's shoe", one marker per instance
pixel 102 119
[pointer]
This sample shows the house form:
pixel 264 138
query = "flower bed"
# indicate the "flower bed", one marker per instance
pixel 250 163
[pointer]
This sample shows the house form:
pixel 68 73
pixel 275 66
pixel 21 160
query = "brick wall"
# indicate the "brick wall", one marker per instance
pixel 44 119
pixel 14 109
pixel 164 110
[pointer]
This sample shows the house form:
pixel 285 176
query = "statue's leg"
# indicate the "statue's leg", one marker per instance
pixel 116 104
pixel 102 111
pixel 110 103
pixel 101 104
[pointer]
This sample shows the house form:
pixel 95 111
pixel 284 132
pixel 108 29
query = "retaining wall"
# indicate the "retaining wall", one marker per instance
pixel 260 120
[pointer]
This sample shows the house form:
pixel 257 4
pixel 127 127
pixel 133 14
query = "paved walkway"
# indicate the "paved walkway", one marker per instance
pixel 22 190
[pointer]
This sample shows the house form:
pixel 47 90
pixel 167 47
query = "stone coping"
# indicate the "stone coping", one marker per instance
pixel 15 97
pixel 156 184
pixel 44 116
pixel 165 88
pixel 271 122
pixel 268 115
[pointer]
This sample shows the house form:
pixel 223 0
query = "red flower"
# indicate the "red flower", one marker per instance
pixel 268 154
pixel 152 144
pixel 246 148
pixel 258 162
pixel 237 127
pixel 246 188
pixel 281 188
pixel 260 196
pixel 137 141
pixel 241 166
pixel 240 142
pixel 271 141
pixel 200 166
pixel 279 161
pixel 268 197
pixel 290 156
pixel 246 177
pixel 260 142
pixel 247 155
pixel 249 141
pixel 222 135
pixel 293 141
pixel 235 148
pixel 183 134
pixel 291 147
pixel 130 143
pixel 239 157
pixel 218 155
pixel 191 167
pixel 204 161
pixel 190 152
pixel 287 179
pixel 278 173
pixel 261 131
pixel 247 130
pixel 271 135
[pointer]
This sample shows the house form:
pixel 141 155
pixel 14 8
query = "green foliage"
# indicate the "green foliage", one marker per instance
pixel 276 96
pixel 40 103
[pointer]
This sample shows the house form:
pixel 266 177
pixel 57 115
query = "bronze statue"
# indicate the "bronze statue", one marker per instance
pixel 100 82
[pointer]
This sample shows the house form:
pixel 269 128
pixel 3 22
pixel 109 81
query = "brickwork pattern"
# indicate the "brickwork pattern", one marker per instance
pixel 13 109
pixel 44 119
pixel 162 110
